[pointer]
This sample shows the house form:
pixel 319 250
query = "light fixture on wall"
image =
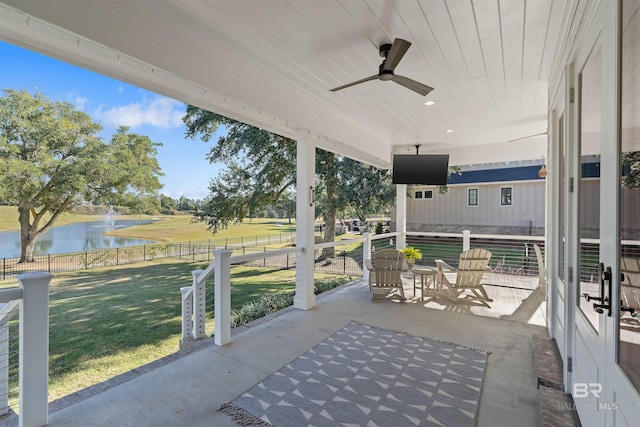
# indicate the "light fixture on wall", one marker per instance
pixel 542 173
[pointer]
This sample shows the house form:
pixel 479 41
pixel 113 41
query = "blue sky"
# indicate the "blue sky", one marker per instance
pixel 112 103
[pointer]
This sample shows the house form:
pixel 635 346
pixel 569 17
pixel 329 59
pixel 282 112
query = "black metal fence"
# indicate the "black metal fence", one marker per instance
pixel 345 259
pixel 84 260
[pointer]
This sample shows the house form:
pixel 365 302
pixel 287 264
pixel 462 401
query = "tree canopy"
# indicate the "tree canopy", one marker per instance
pixel 261 171
pixel 52 158
pixel 260 167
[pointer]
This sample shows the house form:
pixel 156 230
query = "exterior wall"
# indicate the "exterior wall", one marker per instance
pixel 451 213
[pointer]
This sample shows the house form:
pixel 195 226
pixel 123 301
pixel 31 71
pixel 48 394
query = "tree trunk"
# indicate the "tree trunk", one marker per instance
pixel 28 237
pixel 330 215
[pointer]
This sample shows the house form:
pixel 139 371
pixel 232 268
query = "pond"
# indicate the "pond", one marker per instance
pixel 82 236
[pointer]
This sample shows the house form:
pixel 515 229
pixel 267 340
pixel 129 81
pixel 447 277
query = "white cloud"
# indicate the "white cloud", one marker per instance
pixel 77 100
pixel 80 102
pixel 160 112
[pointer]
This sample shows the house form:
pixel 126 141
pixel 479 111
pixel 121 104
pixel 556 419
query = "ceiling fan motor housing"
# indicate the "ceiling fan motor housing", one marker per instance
pixel 384 49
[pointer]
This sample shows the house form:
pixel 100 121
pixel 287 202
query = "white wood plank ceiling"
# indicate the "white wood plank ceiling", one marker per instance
pixel 272 63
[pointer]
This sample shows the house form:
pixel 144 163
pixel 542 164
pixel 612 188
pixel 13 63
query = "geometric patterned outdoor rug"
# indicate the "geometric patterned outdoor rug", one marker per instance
pixel 368 376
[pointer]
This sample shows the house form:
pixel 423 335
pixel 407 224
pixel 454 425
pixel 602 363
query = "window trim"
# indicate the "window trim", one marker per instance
pixel 417 195
pixel 425 194
pixel 477 190
pixel 510 187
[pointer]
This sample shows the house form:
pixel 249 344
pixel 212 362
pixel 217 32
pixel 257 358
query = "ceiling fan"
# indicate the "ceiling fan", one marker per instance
pixel 392 54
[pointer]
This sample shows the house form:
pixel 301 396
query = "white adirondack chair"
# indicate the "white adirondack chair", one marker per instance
pixel 466 277
pixel 385 273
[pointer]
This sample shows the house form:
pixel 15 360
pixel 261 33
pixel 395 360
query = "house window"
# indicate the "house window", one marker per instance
pixel 472 199
pixel 418 195
pixel 428 194
pixel 505 196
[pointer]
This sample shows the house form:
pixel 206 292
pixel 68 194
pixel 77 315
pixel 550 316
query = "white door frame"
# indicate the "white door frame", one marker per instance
pixel 585 372
pixel 602 393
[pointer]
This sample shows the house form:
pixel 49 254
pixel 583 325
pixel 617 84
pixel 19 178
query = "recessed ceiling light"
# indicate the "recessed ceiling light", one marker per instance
pixel 429 102
pixel 449 130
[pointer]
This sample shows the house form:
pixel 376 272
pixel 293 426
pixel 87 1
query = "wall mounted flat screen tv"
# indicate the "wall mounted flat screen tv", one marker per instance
pixel 429 169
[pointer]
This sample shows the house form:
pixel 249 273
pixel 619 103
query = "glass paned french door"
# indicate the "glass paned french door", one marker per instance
pixel 629 321
pixel 589 186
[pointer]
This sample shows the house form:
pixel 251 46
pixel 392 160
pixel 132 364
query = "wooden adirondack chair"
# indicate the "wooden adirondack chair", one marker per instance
pixel 385 273
pixel 471 267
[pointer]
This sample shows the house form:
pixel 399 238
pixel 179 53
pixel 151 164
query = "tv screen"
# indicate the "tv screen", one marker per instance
pixel 420 169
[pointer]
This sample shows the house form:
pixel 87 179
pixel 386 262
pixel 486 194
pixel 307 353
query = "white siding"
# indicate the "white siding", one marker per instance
pixel 527 197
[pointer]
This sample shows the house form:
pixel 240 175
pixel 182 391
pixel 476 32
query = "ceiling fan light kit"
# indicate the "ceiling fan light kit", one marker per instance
pixel 392 54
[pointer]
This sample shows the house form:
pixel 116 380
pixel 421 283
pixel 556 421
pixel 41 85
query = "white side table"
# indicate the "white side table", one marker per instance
pixel 427 279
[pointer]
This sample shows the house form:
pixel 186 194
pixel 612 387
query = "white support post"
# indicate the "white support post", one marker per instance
pixel 466 240
pixel 34 349
pixel 187 317
pixel 305 297
pixel 401 216
pixel 199 305
pixel 222 300
pixel 366 254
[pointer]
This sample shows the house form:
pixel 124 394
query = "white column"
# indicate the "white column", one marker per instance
pixel 34 349
pixel 401 216
pixel 199 305
pixel 222 299
pixel 366 254
pixel 305 297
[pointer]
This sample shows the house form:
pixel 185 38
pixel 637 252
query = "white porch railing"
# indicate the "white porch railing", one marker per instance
pixel 194 297
pixel 31 300
pixel 514 254
pixel 7 312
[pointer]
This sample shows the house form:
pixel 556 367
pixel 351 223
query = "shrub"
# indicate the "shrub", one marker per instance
pixel 268 304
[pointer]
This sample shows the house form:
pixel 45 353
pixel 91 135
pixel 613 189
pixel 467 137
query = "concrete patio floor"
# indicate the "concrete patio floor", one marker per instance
pixel 187 391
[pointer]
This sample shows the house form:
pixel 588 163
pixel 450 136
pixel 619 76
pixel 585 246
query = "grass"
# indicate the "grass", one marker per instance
pixel 182 228
pixel 107 321
pixel 172 228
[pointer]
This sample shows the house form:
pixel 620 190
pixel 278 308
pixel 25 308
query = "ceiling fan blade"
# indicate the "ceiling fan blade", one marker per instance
pixel 398 49
pixel 412 84
pixel 354 83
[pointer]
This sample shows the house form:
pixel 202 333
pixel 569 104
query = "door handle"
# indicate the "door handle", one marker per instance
pixel 605 276
pixel 631 310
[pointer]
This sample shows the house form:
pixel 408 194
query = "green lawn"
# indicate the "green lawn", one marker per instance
pixel 107 321
pixel 171 228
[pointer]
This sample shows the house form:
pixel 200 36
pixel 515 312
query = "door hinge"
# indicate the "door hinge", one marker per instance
pixel 571 95
pixel 570 364
pixel 571 274
pixel 571 185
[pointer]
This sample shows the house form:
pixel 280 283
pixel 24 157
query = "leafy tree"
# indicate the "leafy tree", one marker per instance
pixel 246 186
pixel 268 172
pixel 168 206
pixel 631 169
pixel 365 189
pixel 51 158
pixel 286 206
